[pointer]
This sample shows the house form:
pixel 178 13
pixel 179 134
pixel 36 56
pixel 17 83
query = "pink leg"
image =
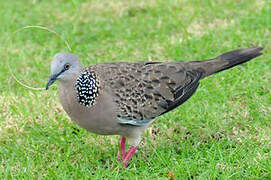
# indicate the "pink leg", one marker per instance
pixel 122 149
pixel 129 155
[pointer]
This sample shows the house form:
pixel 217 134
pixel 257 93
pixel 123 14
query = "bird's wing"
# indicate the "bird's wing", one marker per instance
pixel 143 91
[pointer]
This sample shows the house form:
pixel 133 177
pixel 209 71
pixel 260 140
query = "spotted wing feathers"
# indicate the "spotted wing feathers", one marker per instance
pixel 143 91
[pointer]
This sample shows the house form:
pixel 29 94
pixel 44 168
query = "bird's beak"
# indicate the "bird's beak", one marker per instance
pixel 52 79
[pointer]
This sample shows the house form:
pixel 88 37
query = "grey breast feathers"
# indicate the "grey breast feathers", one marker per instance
pixel 142 91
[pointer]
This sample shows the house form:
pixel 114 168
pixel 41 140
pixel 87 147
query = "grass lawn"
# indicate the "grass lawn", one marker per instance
pixel 223 131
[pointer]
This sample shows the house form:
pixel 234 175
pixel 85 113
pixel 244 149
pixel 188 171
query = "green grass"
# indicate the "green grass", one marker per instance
pixel 223 131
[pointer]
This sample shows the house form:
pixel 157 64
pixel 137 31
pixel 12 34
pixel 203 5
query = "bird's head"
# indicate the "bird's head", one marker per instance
pixel 64 67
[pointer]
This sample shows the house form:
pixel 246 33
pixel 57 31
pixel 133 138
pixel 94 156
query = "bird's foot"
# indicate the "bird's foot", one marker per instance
pixel 121 156
pixel 129 155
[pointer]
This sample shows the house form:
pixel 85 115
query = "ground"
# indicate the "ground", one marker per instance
pixel 222 132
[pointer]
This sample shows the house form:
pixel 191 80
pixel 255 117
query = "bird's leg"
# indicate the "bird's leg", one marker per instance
pixel 129 155
pixel 122 149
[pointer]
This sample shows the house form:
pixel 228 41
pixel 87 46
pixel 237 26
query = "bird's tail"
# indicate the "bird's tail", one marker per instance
pixel 226 61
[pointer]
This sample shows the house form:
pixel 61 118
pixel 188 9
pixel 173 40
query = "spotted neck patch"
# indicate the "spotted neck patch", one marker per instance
pixel 87 88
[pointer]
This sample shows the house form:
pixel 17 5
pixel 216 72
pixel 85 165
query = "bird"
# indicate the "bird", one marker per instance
pixel 124 98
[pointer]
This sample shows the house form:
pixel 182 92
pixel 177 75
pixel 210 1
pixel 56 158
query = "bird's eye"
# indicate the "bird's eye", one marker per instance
pixel 67 66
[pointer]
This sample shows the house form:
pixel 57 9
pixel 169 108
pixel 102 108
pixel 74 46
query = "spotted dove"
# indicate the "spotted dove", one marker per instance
pixel 123 98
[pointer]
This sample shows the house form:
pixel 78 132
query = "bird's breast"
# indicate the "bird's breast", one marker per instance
pixel 100 118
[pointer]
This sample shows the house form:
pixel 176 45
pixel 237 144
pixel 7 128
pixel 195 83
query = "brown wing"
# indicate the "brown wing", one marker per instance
pixel 143 91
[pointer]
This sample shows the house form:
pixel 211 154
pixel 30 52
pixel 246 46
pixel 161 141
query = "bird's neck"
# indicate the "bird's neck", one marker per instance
pixel 87 88
pixel 84 88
